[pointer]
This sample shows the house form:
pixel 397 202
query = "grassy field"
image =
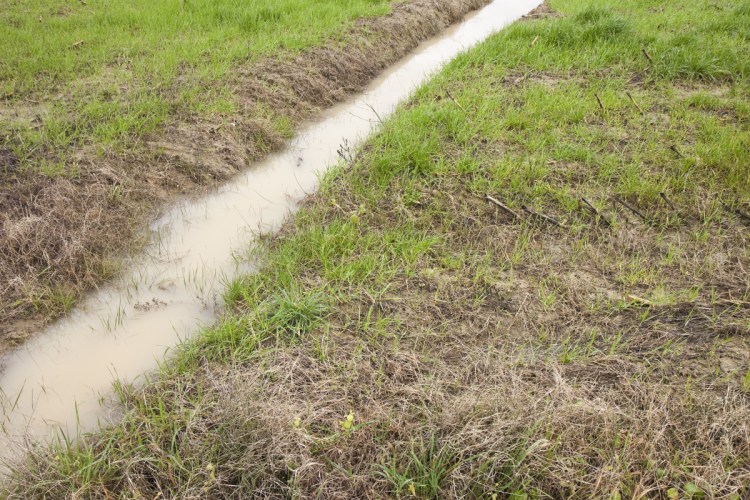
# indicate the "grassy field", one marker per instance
pixel 103 73
pixel 537 288
pixel 109 110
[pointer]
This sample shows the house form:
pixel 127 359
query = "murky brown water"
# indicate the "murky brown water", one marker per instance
pixel 58 380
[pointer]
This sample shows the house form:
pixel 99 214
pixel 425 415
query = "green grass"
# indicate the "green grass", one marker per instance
pixel 105 73
pixel 483 354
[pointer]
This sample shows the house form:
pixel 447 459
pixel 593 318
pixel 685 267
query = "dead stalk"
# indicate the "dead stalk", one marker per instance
pixel 667 201
pixel 543 217
pixel 502 206
pixel 636 212
pixel 598 100
pixel 739 213
pixel 640 300
pixel 634 103
pixel 676 151
pixel 595 211
pixel 376 113
pixel 447 92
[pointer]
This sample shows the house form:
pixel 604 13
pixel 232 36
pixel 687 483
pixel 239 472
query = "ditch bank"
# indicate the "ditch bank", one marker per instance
pixel 198 248
pixel 65 235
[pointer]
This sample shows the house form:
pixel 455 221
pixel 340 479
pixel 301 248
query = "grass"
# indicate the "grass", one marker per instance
pixel 107 73
pixel 591 341
pixel 158 101
pixel 85 84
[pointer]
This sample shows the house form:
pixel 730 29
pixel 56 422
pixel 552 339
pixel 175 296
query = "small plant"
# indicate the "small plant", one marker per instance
pixel 348 423
pixel 421 471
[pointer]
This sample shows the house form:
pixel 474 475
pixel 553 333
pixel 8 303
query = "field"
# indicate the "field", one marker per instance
pixel 109 110
pixel 111 71
pixel 531 283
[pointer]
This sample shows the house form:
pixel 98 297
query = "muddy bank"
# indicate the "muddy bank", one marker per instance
pixel 64 234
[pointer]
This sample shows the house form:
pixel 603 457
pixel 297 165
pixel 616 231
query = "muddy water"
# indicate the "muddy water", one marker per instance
pixel 58 380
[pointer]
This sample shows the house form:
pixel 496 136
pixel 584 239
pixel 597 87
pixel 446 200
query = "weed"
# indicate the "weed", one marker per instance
pixel 421 471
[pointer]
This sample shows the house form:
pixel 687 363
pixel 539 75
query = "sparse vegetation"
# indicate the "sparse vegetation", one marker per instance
pixel 585 335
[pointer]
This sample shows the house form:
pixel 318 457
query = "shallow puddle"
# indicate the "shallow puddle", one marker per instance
pixel 58 380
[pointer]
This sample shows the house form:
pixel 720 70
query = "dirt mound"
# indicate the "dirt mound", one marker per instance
pixel 544 10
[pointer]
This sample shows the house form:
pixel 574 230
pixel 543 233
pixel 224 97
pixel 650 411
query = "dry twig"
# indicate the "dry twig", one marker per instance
pixel 636 212
pixel 595 211
pixel 501 205
pixel 543 217
pixel 376 113
pixel 676 151
pixel 454 100
pixel 598 99
pixel 634 103
pixel 667 201
pixel 739 213
pixel 640 300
